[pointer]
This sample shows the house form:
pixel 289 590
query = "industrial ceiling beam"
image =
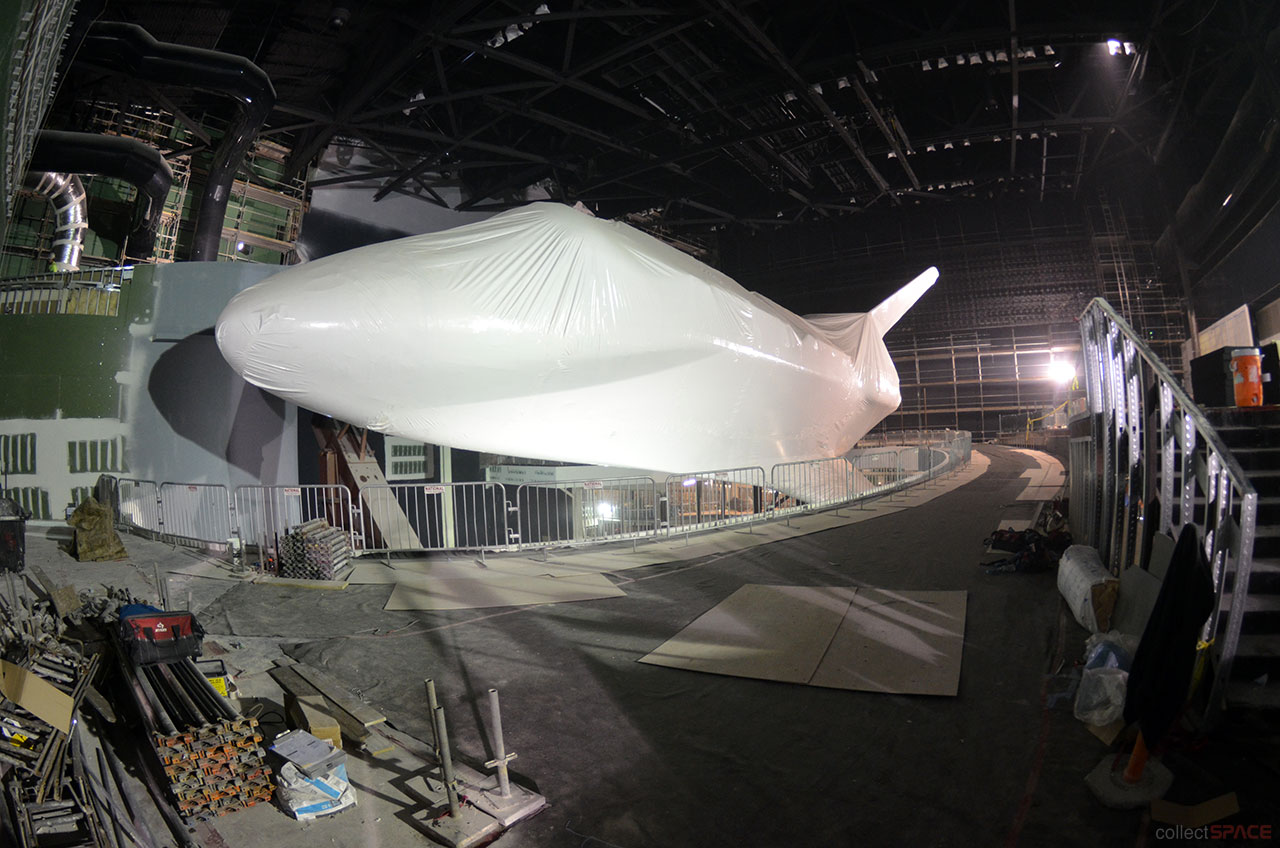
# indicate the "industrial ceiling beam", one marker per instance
pixel 455 97
pixel 758 39
pixel 574 16
pixel 381 72
pixel 1013 81
pixel 508 57
pixel 709 147
pixel 889 135
pixel 558 81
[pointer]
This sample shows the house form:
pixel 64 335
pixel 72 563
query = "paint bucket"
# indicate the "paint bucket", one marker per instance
pixel 1246 375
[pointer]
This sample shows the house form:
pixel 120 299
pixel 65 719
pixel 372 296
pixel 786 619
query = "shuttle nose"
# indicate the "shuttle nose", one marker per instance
pixel 252 334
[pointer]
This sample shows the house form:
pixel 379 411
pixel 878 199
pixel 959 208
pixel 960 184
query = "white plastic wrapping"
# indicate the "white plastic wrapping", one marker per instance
pixel 544 332
pixel 1087 586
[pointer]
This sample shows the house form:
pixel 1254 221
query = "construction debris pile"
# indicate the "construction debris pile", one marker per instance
pixel 60 782
pixel 315 551
pixel 43 680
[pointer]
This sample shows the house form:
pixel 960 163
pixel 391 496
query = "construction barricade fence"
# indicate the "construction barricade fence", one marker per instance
pixel 488 516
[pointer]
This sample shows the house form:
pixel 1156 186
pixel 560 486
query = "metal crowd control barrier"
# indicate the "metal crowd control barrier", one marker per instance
pixel 587 511
pixel 877 471
pixel 198 512
pixel 139 506
pixel 706 499
pixel 435 516
pixel 478 516
pixel 1170 448
pixel 819 482
pixel 265 514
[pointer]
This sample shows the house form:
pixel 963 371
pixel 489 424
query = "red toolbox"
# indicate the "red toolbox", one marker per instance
pixel 151 635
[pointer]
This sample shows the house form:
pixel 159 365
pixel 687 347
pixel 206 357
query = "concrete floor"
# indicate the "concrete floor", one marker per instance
pixel 633 755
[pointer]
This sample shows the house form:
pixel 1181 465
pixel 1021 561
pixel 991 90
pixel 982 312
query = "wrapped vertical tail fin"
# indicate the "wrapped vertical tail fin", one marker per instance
pixel 892 308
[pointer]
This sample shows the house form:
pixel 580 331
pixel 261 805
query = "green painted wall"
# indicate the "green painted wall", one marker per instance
pixel 76 376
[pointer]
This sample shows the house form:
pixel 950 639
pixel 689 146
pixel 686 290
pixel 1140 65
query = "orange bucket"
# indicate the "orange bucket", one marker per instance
pixel 1246 375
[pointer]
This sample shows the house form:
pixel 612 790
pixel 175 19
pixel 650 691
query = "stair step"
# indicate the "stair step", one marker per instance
pixel 1261 613
pixel 1266 541
pixel 1249 695
pixel 1257 654
pixel 1244 418
pixel 1264 577
pixel 1256 458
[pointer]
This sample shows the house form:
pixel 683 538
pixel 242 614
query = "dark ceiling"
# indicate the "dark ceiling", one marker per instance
pixel 703 114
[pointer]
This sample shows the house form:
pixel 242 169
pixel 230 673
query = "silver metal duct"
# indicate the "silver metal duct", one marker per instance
pixel 66 195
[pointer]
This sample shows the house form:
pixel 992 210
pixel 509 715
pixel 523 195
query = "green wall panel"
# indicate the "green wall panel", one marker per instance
pixel 66 365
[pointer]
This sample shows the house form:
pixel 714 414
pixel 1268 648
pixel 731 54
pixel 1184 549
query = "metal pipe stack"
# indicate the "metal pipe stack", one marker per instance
pixel 210 753
pixel 314 551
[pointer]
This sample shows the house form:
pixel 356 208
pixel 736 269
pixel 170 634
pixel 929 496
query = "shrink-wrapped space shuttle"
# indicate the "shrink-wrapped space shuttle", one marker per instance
pixel 545 332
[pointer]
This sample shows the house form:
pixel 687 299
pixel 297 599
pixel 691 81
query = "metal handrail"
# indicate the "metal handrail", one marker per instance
pixel 1115 385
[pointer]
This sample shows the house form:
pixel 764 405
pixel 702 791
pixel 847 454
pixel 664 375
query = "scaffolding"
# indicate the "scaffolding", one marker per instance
pixel 1126 267
pixel 264 212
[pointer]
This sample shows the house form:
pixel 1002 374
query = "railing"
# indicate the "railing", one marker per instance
pixel 603 510
pixel 1167 448
pixel 265 514
pixel 196 512
pixel 409 517
pixel 704 500
pixel 139 506
pixel 435 516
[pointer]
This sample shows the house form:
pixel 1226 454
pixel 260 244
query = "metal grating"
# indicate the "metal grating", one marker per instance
pixel 94 456
pixel 94 292
pixel 36 50
pixel 18 453
pixel 1084 490
pixel 32 498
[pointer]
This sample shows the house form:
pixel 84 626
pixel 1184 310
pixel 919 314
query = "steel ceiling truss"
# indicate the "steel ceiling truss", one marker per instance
pixel 744 110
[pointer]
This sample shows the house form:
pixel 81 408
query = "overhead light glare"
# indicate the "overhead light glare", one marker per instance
pixel 1114 46
pixel 942 62
pixel 925 66
pixel 1061 371
pixel 1048 50
pixel 975 59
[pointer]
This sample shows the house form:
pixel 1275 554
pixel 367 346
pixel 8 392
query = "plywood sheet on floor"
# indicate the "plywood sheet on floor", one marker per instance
pixel 903 642
pixel 497 589
pixel 877 640
pixel 765 632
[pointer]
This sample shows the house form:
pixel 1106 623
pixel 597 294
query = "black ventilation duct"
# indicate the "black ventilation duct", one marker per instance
pixel 111 156
pixel 130 49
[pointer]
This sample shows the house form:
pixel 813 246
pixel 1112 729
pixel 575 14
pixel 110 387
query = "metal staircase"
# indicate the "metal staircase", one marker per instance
pixel 1253 436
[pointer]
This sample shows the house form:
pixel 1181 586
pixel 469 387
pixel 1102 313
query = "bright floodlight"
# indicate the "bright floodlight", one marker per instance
pixel 1114 46
pixel 1061 371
